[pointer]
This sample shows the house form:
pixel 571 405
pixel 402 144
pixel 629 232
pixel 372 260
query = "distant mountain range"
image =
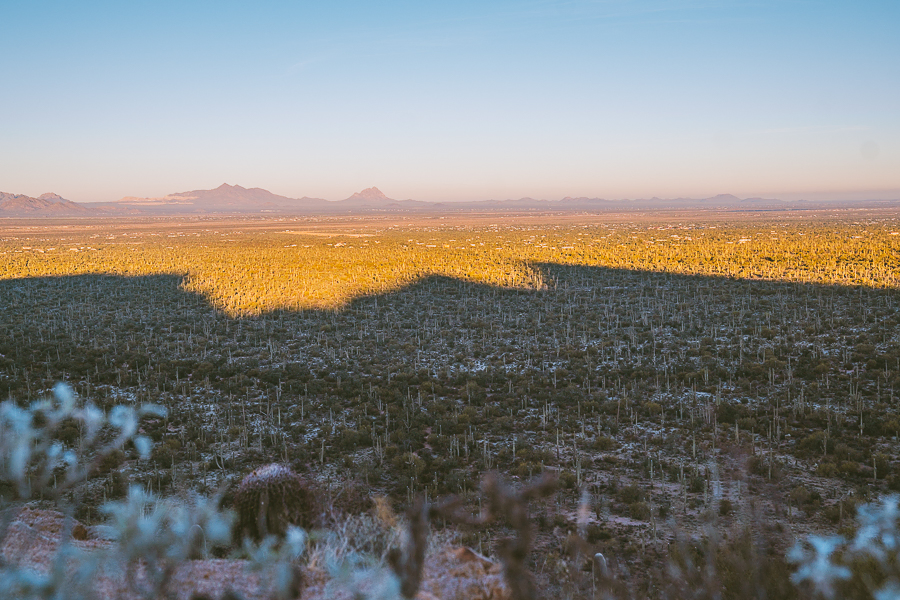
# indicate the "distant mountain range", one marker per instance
pixel 224 199
pixel 234 199
pixel 45 204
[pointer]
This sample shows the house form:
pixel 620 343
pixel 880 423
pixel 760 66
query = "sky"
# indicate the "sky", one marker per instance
pixel 452 100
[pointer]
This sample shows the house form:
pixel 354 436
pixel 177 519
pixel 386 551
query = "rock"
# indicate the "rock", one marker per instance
pixel 467 555
pixel 80 532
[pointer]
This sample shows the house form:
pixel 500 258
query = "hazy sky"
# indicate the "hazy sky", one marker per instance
pixel 452 100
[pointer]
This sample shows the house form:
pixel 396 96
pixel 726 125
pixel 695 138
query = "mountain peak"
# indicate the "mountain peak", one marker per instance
pixel 724 198
pixel 53 198
pixel 44 205
pixel 223 199
pixel 227 188
pixel 370 194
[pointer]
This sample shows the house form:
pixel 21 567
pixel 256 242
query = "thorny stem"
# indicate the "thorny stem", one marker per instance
pixel 504 501
pixel 409 563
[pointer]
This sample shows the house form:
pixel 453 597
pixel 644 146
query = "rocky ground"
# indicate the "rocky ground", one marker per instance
pixel 35 536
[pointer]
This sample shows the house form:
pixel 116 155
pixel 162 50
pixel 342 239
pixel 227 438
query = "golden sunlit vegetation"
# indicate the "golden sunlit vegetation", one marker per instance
pixel 247 271
pixel 726 372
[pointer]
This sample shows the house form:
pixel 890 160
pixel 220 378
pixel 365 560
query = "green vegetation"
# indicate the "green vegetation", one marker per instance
pixel 674 381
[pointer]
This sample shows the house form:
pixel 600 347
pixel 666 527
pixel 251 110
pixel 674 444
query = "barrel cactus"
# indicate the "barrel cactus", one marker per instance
pixel 270 499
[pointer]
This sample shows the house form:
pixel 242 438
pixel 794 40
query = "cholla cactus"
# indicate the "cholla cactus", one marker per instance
pixel 162 533
pixel 270 499
pixel 833 560
pixel 816 564
pixel 279 562
pixel 32 461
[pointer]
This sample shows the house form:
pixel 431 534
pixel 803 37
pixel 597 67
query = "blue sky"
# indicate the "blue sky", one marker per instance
pixel 452 100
